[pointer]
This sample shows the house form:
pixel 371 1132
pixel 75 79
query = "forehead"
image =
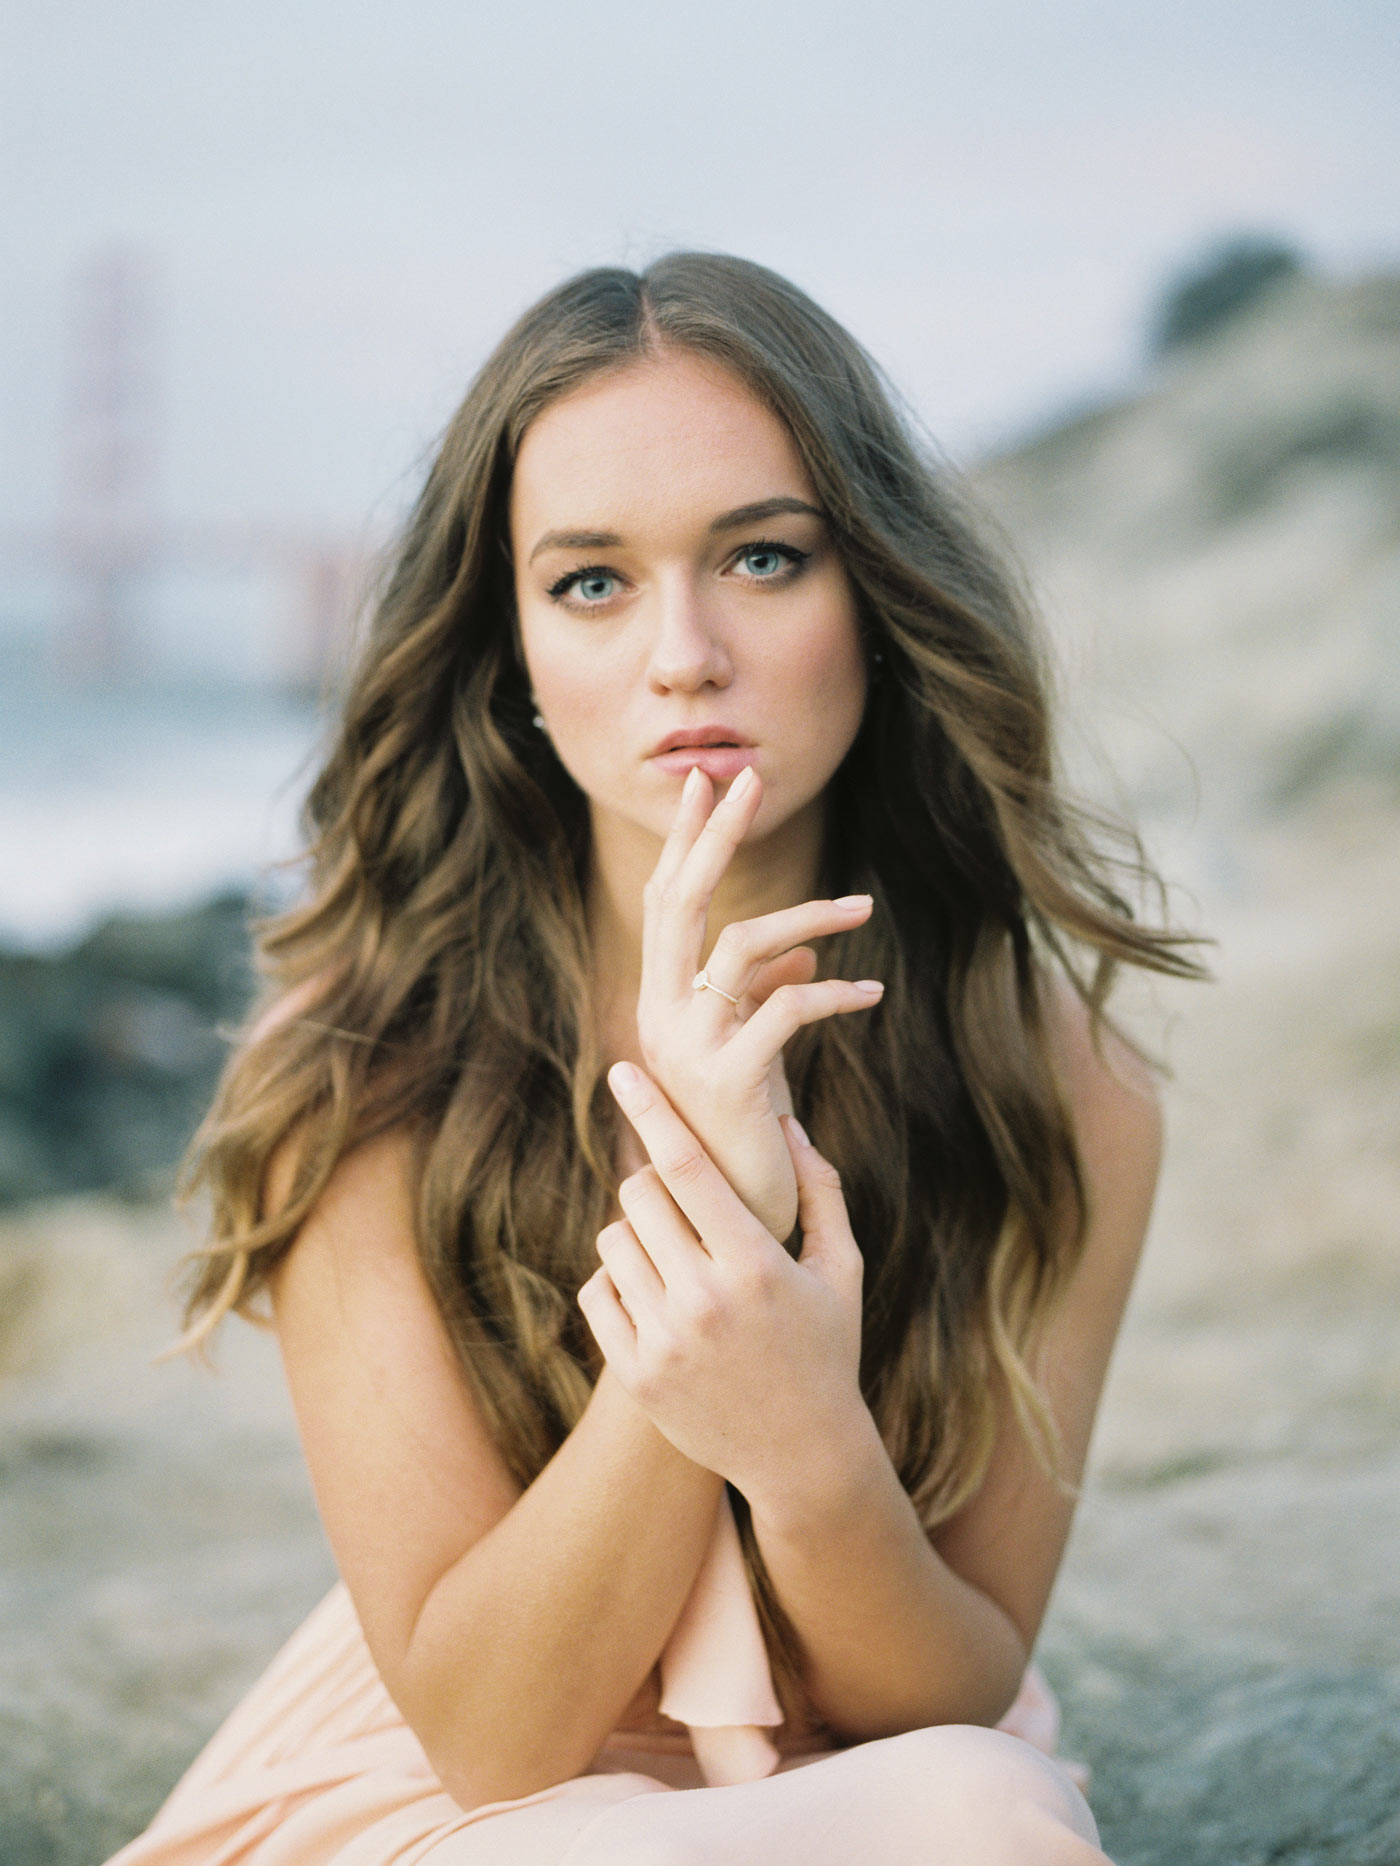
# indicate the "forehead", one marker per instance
pixel 661 436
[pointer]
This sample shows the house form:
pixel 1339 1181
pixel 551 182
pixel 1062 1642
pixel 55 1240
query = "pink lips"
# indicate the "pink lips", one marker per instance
pixel 719 752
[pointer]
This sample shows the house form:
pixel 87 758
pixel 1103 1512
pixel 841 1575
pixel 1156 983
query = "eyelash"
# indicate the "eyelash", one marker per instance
pixel 795 560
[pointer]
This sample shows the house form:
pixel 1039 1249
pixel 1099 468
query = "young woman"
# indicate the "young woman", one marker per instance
pixel 654 1454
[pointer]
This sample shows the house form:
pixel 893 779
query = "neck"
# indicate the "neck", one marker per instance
pixel 781 870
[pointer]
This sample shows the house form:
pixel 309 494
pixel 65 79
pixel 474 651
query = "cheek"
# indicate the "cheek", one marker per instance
pixel 549 664
pixel 576 688
pixel 832 673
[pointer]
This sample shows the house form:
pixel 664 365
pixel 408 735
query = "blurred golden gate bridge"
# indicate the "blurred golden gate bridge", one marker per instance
pixel 109 546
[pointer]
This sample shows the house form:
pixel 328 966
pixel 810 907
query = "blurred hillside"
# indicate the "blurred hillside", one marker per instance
pixel 1220 556
pixel 1220 560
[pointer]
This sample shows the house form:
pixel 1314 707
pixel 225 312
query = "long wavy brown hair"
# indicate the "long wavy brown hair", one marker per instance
pixel 440 965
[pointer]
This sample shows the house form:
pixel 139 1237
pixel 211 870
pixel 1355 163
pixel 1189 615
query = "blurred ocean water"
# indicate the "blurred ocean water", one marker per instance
pixel 140 798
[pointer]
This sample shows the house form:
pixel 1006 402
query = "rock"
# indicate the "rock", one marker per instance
pixel 109 1052
pixel 158 1538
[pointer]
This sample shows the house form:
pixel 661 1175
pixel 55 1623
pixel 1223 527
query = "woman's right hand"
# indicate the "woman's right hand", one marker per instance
pixel 721 1064
pixel 747 1360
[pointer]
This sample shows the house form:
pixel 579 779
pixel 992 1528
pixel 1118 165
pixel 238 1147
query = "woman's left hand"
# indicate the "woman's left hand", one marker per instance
pixel 747 1359
pixel 718 1054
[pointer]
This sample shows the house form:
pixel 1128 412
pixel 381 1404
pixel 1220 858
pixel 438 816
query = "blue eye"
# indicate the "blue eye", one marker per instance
pixel 770 563
pixel 591 587
pixel 761 562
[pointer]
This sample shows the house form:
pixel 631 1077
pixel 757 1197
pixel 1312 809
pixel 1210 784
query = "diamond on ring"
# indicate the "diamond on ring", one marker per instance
pixel 703 982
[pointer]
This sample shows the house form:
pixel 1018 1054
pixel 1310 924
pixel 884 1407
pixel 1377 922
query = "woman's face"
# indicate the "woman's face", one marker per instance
pixel 679 596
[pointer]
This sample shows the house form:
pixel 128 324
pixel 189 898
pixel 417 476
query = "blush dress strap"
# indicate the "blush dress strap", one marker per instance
pixel 716 1679
pixel 715 1676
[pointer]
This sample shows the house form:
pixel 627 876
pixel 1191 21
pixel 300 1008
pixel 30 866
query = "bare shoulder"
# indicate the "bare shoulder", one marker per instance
pixel 367 1198
pixel 1111 1097
pixel 1010 1538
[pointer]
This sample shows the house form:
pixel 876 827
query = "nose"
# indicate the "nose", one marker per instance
pixel 688 649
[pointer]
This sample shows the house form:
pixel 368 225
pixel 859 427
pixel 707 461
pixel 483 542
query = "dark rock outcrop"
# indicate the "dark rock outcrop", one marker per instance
pixel 109 1051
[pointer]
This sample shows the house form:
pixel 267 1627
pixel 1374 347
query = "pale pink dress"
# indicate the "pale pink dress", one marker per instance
pixel 317 1765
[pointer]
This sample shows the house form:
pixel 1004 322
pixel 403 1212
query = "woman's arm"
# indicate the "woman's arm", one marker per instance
pixel 895 1633
pixel 512 1630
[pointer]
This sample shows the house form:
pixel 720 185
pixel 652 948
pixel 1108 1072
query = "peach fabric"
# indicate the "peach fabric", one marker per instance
pixel 317 1764
pixel 715 1677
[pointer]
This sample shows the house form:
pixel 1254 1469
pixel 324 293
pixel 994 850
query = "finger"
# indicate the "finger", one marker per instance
pixel 754 1045
pixel 744 945
pixel 798 967
pixel 635 1276
pixel 609 1323
pixel 719 1217
pixel 658 897
pixel 661 1226
pixel 692 809
pixel 821 1205
pixel 679 907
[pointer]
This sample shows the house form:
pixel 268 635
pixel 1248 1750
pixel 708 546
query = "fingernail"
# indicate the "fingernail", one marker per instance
pixel 799 1130
pixel 871 986
pixel 691 787
pixel 625 1082
pixel 742 784
pixel 854 900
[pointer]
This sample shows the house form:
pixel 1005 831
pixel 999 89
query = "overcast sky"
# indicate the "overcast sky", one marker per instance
pixel 346 203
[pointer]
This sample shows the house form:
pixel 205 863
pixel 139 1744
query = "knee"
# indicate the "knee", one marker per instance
pixel 628 1834
pixel 1002 1800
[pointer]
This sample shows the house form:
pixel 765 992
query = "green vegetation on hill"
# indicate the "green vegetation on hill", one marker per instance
pixel 1220 287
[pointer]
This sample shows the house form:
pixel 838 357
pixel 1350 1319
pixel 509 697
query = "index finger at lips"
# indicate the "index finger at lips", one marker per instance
pixel 691 811
pixel 679 924
pixel 716 1212
pixel 727 825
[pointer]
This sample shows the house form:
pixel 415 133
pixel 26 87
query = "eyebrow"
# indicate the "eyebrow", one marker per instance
pixel 727 521
pixel 764 508
pixel 576 541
